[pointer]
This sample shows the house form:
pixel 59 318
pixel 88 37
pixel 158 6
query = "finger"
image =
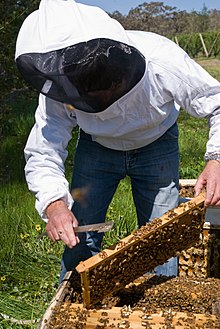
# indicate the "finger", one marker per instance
pixel 71 234
pixel 53 235
pixel 208 200
pixel 216 197
pixel 210 193
pixel 67 235
pixel 200 184
pixel 215 200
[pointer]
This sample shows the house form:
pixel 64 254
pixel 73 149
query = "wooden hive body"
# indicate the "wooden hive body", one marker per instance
pixel 202 260
pixel 64 312
pixel 163 308
pixel 116 317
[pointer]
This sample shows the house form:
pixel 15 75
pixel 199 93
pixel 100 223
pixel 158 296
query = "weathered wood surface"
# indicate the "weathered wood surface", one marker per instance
pixel 55 302
pixel 142 251
pixel 75 316
pixel 187 182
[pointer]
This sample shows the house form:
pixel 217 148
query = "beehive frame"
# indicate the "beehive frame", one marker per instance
pixel 75 316
pixel 140 252
pixel 200 309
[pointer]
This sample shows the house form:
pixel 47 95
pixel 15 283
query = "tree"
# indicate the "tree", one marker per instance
pixel 13 13
pixel 167 20
pixel 214 20
pixel 148 15
pixel 154 17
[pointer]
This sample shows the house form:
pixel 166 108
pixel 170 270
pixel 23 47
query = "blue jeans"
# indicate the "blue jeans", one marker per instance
pixel 153 172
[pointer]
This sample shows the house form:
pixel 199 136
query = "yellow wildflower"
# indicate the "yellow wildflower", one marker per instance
pixel 24 235
pixel 37 227
pixel 3 278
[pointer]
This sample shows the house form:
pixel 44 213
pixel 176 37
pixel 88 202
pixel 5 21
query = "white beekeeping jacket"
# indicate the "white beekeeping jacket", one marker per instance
pixel 171 80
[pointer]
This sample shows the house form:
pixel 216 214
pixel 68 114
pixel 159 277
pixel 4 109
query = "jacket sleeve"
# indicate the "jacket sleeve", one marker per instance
pixel 45 153
pixel 192 88
pixel 202 100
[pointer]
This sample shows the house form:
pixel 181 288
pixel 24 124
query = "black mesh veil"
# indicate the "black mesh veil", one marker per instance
pixel 69 75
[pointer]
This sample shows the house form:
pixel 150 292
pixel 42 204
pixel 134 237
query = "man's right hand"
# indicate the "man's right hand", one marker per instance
pixel 61 223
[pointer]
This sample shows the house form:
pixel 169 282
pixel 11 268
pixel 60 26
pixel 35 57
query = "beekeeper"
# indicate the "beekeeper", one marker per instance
pixel 124 90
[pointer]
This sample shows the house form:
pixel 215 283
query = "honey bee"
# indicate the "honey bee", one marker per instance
pixel 120 244
pixel 103 254
pixel 79 194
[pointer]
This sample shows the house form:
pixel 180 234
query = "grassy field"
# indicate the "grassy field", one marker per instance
pixel 29 267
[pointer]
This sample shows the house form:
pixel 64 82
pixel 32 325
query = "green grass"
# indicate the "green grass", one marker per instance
pixel 29 268
pixel 212 65
pixel 193 135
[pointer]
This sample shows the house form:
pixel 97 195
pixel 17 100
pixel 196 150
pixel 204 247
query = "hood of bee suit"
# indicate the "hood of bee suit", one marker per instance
pixel 48 42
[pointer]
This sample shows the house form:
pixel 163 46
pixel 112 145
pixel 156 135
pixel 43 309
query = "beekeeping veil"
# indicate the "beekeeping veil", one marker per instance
pixel 66 49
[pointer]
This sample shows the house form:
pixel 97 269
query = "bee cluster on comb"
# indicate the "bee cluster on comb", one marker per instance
pixel 151 302
pixel 140 252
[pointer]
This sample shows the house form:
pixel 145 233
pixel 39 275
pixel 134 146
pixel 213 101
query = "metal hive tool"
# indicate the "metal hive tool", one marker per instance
pixel 140 252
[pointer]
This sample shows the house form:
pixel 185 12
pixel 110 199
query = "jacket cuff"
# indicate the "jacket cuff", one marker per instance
pixel 212 156
pixel 67 198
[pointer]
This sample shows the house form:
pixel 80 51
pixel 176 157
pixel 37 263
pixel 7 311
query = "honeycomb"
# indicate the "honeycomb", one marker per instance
pixel 149 302
pixel 143 250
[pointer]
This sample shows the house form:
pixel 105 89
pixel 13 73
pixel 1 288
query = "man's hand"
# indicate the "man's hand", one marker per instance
pixel 210 177
pixel 60 224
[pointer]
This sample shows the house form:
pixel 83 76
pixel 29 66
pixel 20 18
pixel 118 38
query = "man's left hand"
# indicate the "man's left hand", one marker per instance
pixel 210 177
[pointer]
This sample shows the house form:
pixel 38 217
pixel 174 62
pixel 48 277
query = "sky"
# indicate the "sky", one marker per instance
pixel 123 6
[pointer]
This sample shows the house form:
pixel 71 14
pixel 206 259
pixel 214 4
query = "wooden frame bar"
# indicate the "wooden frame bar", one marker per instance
pixel 140 252
pixel 122 317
